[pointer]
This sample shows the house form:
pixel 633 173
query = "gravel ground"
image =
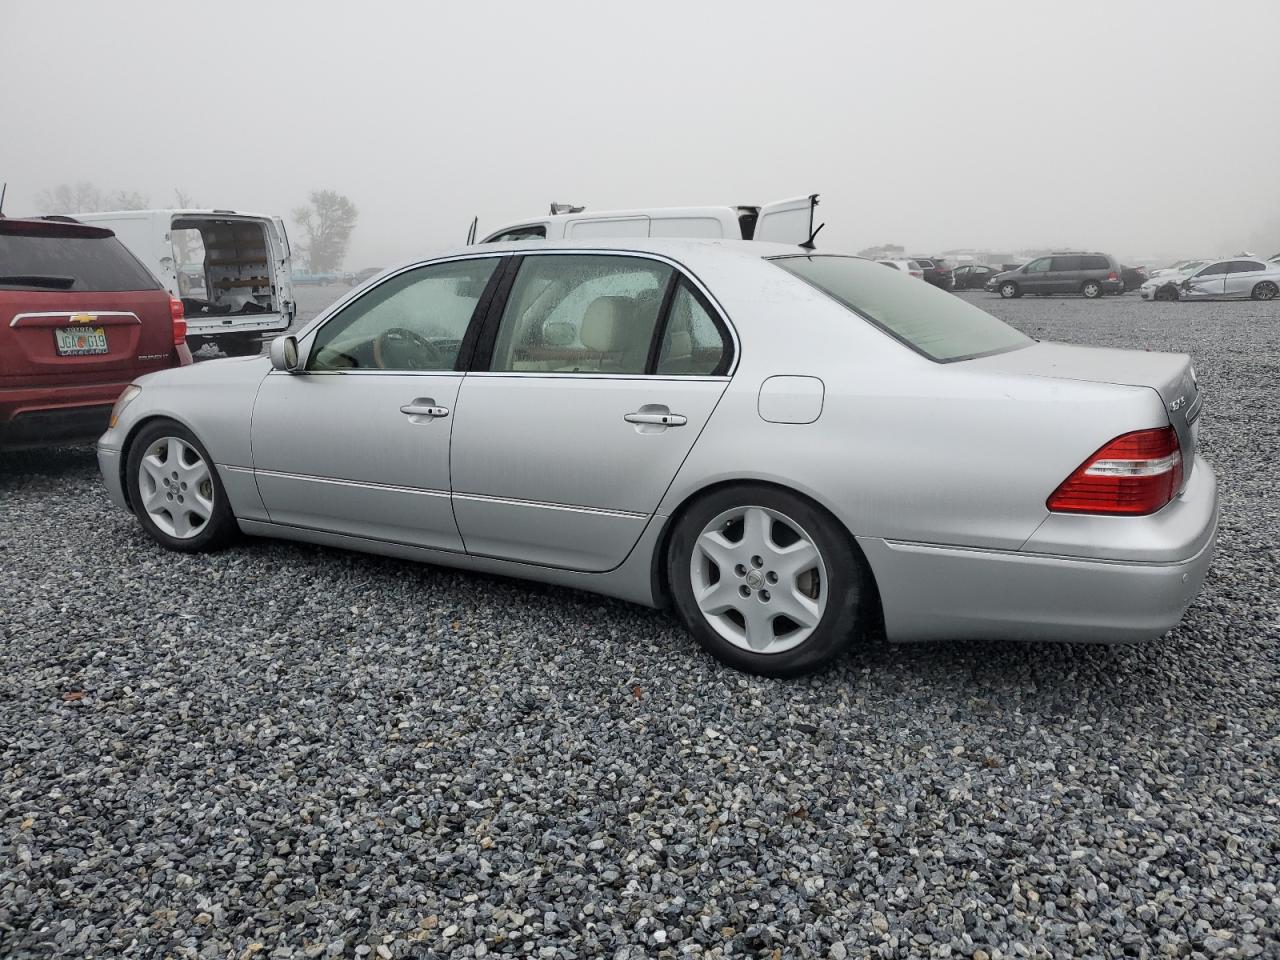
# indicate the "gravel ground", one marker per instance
pixel 283 750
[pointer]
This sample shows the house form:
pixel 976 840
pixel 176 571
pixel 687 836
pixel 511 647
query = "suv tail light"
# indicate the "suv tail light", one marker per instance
pixel 1136 473
pixel 1113 275
pixel 179 315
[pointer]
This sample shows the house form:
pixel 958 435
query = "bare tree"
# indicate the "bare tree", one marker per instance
pixel 84 197
pixel 327 224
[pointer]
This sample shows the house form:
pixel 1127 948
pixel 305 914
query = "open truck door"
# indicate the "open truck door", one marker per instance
pixel 787 221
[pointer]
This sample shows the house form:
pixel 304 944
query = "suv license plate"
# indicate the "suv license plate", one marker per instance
pixel 80 341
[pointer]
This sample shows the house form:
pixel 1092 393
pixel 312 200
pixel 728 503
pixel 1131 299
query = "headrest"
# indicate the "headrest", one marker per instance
pixel 605 324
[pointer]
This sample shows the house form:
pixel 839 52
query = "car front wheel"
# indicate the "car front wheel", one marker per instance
pixel 766 581
pixel 175 491
pixel 1008 290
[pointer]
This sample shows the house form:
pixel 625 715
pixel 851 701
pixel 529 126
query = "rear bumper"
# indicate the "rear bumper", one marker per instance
pixel 44 416
pixel 932 592
pixel 229 326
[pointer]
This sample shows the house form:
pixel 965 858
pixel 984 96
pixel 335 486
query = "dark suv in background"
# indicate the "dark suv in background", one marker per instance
pixel 937 271
pixel 1088 274
pixel 80 317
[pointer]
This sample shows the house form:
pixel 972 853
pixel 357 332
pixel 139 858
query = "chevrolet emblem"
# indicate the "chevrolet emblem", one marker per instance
pixel 82 318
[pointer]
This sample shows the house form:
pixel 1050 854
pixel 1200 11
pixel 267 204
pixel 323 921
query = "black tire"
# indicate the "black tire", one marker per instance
pixel 217 531
pixel 849 592
pixel 1266 290
pixel 1009 289
pixel 1167 293
pixel 1091 289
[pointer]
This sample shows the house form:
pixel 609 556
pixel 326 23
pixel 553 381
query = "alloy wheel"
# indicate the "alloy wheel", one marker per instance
pixel 759 579
pixel 176 487
pixel 1265 291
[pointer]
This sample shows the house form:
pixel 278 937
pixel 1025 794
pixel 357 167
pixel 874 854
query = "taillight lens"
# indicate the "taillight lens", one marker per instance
pixel 1113 275
pixel 1136 473
pixel 179 315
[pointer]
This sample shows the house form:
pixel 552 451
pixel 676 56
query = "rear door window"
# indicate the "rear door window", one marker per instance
pixel 930 321
pixel 1066 263
pixel 68 257
pixel 1246 266
pixel 693 343
pixel 1096 263
pixel 579 313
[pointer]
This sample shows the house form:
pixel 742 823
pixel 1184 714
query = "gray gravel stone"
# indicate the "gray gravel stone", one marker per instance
pixel 281 750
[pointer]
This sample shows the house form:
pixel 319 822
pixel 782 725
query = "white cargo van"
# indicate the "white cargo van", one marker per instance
pixel 231 270
pixel 784 221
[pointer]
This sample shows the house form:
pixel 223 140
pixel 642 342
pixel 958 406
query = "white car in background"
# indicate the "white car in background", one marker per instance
pixel 1234 278
pixel 909 267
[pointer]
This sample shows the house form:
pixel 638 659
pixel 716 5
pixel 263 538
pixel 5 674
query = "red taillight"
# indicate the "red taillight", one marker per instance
pixel 1113 275
pixel 179 321
pixel 1134 474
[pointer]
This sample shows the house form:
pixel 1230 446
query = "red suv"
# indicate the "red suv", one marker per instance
pixel 80 317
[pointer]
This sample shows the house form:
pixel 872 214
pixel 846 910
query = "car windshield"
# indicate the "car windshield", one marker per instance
pixel 932 322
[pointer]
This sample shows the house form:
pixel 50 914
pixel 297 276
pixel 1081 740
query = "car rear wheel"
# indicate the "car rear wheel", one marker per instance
pixel 175 491
pixel 1266 290
pixel 1009 289
pixel 1091 289
pixel 766 581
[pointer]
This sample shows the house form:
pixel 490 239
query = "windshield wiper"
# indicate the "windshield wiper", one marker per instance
pixel 39 280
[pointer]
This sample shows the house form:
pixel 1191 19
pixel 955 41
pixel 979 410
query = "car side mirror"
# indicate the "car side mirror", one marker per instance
pixel 284 354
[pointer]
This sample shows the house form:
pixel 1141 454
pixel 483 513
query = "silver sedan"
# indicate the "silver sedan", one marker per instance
pixel 789 448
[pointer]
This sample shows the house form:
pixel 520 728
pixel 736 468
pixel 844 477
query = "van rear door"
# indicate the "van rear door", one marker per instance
pixel 284 269
pixel 786 221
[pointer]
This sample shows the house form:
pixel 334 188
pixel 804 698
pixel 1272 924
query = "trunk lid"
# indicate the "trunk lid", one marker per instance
pixel 48 338
pixel 1169 374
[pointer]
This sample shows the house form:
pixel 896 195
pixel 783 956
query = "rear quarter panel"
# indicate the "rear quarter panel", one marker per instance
pixel 905 448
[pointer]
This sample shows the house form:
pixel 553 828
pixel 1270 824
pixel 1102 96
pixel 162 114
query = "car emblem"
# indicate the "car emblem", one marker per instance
pixel 82 318
pixel 1177 404
pixel 755 579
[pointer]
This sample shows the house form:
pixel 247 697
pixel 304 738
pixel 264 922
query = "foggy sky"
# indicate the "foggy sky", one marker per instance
pixel 1139 128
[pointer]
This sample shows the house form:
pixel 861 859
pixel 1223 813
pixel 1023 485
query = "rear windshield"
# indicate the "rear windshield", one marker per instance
pixel 930 321
pixel 38 261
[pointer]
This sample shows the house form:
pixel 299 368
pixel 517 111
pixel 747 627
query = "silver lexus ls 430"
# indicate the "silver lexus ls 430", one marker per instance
pixel 784 446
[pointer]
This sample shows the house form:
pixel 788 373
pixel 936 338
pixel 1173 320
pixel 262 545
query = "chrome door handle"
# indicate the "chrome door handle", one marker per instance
pixel 661 419
pixel 423 410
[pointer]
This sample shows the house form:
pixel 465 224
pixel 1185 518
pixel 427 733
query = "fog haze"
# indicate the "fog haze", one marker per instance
pixel 1144 129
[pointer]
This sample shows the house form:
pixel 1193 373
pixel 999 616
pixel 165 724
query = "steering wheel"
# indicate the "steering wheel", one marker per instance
pixel 400 349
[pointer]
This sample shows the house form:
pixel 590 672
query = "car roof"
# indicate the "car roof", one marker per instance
pixel 669 246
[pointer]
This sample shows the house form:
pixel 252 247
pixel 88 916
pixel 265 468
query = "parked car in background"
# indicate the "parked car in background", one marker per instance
pixel 1182 266
pixel 1232 279
pixel 360 276
pixel 909 267
pixel 1132 277
pixel 324 279
pixel 776 483
pixel 973 276
pixel 1088 274
pixel 80 317
pixel 245 286
pixel 783 221
pixel 937 271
